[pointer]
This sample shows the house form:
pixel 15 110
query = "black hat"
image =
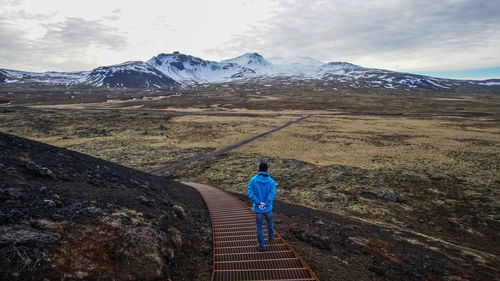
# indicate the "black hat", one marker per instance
pixel 263 167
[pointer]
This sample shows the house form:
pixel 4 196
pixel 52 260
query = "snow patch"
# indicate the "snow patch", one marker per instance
pixel 436 84
pixel 489 83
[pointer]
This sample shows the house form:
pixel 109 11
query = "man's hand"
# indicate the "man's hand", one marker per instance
pixel 262 206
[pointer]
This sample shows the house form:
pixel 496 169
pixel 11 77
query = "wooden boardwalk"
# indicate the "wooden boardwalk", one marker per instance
pixel 236 256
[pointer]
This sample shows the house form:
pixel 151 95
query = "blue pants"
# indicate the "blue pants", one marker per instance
pixel 270 227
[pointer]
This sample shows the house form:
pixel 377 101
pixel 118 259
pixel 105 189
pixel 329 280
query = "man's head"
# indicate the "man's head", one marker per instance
pixel 263 167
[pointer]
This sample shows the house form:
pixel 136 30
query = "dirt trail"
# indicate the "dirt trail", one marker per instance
pixel 224 150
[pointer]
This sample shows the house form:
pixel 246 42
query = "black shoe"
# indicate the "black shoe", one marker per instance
pixel 261 249
pixel 271 240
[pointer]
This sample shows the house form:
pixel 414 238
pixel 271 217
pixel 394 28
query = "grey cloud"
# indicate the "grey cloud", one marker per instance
pixel 63 47
pixel 385 29
pixel 11 41
pixel 80 33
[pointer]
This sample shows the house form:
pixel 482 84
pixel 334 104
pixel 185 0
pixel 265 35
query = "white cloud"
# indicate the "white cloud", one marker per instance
pixel 393 34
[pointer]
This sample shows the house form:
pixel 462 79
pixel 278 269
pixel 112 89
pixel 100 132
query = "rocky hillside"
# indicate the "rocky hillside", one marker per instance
pixel 66 215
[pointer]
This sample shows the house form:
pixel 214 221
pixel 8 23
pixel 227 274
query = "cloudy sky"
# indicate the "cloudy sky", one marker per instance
pixel 447 38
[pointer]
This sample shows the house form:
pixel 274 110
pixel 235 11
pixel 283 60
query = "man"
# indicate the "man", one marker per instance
pixel 261 190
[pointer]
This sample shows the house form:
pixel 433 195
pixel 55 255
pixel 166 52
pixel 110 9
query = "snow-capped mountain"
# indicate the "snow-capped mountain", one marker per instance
pixel 175 69
pixel 340 68
pixel 250 60
pixel 133 74
pixel 354 76
pixel 185 68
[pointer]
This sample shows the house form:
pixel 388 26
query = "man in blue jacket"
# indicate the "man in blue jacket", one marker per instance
pixel 261 190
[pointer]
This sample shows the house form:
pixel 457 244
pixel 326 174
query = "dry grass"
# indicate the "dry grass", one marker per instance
pixel 443 169
pixel 139 140
pixel 219 132
pixel 451 145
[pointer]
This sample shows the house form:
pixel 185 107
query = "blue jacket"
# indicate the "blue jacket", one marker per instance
pixel 262 188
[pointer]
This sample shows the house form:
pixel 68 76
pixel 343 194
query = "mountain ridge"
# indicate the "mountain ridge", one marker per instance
pixel 177 69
